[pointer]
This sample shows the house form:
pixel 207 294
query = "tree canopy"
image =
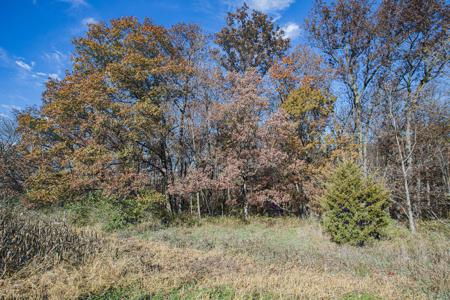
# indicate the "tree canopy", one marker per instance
pixel 247 125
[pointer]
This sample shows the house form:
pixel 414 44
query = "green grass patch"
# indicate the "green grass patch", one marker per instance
pixel 119 293
pixel 191 293
pixel 184 293
pixel 361 296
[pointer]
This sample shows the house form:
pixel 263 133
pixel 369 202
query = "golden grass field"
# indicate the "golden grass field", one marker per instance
pixel 224 258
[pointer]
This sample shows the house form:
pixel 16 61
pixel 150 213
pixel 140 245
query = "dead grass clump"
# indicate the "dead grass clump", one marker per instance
pixel 24 239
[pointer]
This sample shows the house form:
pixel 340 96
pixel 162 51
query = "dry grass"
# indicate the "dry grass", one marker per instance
pixel 159 268
pixel 24 239
pixel 228 256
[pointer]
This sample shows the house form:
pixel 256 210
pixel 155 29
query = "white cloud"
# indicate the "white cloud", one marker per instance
pixel 88 21
pixel 10 106
pixel 54 76
pixel 56 62
pixel 291 30
pixel 56 58
pixel 3 54
pixel 5 116
pixel 47 75
pixel 24 65
pixel 76 3
pixel 263 5
pixel 270 5
pixel 8 110
pixel 5 59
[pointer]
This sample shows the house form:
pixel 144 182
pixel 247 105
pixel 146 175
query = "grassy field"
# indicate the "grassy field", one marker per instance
pixel 224 258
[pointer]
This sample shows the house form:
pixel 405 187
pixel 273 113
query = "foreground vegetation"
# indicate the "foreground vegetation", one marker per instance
pixel 166 164
pixel 226 258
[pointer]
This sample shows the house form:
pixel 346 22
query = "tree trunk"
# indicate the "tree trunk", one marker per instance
pixel 409 209
pixel 179 204
pixel 245 210
pixel 245 202
pixel 408 141
pixel 403 161
pixel 198 205
pixel 359 134
pixel 418 198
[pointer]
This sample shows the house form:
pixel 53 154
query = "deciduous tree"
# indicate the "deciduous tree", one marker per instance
pixel 416 32
pixel 346 31
pixel 250 39
pixel 105 125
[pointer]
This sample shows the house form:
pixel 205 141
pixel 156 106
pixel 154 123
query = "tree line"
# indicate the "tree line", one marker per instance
pixel 241 122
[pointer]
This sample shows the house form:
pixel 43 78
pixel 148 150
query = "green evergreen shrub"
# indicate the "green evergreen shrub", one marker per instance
pixel 355 208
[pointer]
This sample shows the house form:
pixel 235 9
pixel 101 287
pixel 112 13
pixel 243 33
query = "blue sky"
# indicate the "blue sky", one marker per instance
pixel 35 39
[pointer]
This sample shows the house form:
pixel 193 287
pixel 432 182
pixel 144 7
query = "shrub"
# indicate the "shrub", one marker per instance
pixel 79 212
pixel 95 208
pixel 111 214
pixel 149 202
pixel 355 207
pixel 114 213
